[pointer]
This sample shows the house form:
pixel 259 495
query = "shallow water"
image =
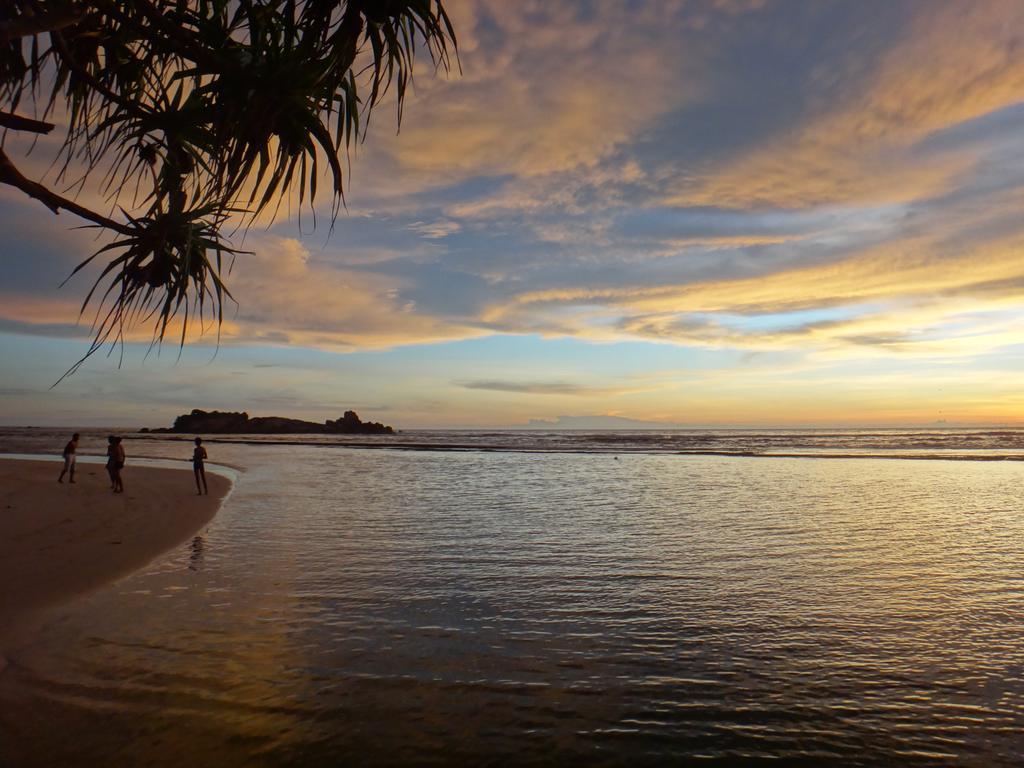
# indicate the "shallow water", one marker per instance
pixel 396 607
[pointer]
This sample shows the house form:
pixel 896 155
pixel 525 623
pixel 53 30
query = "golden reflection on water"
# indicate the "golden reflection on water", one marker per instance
pixel 387 608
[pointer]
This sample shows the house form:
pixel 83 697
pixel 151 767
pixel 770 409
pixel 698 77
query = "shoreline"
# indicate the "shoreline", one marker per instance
pixel 60 542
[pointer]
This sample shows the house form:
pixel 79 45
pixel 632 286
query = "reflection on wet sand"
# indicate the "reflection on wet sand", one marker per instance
pixel 195 559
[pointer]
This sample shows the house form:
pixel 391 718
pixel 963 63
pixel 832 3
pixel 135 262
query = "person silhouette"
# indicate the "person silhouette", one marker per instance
pixel 69 459
pixel 198 457
pixel 120 464
pixel 115 463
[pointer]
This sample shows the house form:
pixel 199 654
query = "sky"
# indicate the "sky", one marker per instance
pixel 696 213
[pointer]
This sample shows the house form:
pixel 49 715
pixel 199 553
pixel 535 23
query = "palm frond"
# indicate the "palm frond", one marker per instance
pixel 199 112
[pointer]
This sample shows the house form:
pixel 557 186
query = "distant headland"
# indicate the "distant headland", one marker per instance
pixel 239 423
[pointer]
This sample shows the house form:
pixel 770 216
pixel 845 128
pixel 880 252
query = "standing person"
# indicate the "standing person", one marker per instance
pixel 115 462
pixel 119 484
pixel 69 459
pixel 112 461
pixel 198 457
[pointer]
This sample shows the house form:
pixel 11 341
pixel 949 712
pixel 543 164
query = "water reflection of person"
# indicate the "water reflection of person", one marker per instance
pixel 196 558
pixel 198 457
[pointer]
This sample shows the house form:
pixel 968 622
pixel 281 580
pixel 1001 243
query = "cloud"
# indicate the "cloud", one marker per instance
pixel 286 297
pixel 36 328
pixel 538 90
pixel 928 294
pixel 538 387
pixel 937 329
pixel 598 422
pixel 545 89
pixel 954 63
pixel 435 230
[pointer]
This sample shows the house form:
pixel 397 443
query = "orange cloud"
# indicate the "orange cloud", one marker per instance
pixel 545 88
pixel 285 297
pixel 956 62
pixel 914 295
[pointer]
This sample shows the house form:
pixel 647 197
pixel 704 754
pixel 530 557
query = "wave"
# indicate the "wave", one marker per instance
pixel 1002 445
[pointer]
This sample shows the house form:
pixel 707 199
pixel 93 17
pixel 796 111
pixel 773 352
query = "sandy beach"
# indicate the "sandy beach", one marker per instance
pixel 59 541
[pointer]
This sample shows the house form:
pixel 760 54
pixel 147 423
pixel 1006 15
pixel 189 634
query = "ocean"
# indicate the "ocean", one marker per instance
pixel 843 597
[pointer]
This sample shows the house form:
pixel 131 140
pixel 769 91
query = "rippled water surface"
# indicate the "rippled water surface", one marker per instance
pixel 394 607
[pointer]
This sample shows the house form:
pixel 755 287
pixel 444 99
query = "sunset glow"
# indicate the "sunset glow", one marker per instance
pixel 730 213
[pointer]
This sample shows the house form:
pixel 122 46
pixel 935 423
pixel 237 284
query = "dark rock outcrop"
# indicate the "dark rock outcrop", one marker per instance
pixel 238 423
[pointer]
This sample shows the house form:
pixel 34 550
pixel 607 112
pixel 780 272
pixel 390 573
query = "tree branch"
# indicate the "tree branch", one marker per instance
pixel 19 123
pixel 9 174
pixel 34 24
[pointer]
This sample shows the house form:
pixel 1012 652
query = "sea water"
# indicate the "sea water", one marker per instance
pixel 555 598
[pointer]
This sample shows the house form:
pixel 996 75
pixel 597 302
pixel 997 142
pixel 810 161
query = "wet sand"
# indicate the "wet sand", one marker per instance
pixel 60 541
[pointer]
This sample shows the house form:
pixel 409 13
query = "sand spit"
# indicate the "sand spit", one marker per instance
pixel 61 540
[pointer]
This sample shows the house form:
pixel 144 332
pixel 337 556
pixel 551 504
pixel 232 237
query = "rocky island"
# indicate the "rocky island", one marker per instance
pixel 239 423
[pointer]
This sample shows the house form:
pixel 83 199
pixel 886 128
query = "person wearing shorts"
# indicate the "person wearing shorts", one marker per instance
pixel 115 463
pixel 70 450
pixel 198 457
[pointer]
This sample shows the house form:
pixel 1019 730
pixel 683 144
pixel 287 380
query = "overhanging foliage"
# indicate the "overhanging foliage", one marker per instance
pixel 189 113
